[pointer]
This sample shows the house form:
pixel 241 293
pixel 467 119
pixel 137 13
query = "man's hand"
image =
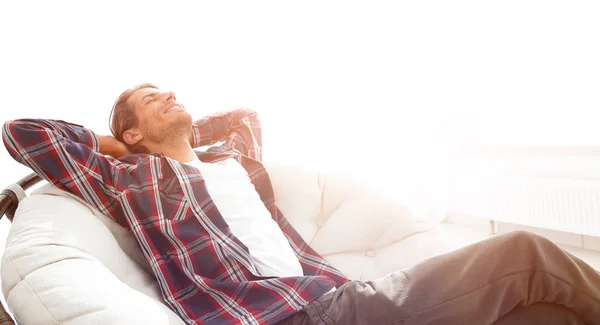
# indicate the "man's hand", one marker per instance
pixel 112 147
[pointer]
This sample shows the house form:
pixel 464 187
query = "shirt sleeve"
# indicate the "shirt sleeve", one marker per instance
pixel 67 155
pixel 239 129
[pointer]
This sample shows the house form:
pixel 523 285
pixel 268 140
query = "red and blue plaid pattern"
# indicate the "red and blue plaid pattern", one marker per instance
pixel 205 273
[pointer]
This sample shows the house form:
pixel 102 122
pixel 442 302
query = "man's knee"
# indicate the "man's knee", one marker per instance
pixel 521 235
pixel 523 239
pixel 518 246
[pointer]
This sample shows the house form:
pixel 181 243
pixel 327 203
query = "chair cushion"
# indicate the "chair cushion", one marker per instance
pixel 63 265
pixel 66 263
pixel 357 228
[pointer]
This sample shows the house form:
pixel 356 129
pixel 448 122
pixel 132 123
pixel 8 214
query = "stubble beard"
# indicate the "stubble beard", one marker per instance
pixel 167 132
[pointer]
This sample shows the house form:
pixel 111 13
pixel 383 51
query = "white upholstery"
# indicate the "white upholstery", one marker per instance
pixel 65 263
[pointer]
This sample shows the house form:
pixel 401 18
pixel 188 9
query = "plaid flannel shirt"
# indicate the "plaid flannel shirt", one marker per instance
pixel 205 273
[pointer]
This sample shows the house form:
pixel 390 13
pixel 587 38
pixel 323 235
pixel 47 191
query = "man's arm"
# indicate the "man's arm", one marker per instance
pixel 239 129
pixel 108 145
pixel 67 155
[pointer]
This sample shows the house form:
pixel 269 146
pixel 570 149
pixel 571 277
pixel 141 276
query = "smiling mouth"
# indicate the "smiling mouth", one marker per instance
pixel 173 107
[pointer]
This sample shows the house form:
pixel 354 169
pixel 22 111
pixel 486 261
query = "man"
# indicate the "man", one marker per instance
pixel 223 253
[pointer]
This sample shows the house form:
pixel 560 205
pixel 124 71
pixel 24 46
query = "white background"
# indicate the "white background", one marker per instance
pixel 382 86
pixel 377 88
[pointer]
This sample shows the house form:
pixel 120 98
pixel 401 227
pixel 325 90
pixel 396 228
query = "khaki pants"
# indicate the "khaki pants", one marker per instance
pixel 511 279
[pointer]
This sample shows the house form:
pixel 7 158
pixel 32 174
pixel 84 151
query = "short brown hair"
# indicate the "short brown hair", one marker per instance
pixel 123 117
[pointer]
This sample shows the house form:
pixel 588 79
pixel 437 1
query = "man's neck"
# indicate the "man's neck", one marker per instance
pixel 180 150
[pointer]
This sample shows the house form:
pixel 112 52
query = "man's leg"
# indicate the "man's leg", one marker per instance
pixel 540 313
pixel 535 314
pixel 477 284
pixel 299 318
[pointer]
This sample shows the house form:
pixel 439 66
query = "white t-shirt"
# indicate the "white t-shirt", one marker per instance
pixel 240 205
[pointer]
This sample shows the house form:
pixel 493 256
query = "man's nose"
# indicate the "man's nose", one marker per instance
pixel 169 95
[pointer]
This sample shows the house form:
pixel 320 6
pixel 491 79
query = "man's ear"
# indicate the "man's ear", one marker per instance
pixel 132 136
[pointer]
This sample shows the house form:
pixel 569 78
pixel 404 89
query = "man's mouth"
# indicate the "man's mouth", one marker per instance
pixel 172 107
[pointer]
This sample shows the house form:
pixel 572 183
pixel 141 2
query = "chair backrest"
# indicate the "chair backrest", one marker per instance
pixel 356 227
pixel 66 263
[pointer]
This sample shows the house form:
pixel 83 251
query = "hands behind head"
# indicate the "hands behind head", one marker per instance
pixel 109 145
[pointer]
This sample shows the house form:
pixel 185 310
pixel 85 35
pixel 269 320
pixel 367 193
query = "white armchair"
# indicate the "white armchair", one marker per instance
pixel 65 263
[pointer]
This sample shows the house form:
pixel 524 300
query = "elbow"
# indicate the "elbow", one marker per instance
pixel 10 138
pixel 248 112
pixel 20 132
pixel 13 128
pixel 8 124
pixel 7 128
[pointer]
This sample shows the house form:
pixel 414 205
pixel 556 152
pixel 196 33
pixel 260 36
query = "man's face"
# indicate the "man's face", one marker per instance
pixel 160 116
